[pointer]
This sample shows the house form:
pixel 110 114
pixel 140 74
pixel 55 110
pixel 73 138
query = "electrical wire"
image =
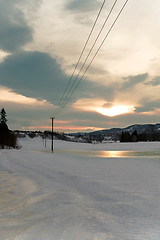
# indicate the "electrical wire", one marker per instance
pixel 73 90
pixel 74 82
pixel 85 45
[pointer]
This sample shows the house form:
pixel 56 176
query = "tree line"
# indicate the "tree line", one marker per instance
pixel 140 137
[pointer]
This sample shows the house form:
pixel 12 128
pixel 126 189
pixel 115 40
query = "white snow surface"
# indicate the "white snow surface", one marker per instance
pixel 77 193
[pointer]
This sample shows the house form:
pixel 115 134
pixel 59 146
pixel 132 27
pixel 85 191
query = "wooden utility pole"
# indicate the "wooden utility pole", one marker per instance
pixel 52 149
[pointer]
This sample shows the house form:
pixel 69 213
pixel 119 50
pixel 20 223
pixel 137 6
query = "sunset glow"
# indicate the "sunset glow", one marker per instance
pixel 112 154
pixel 116 110
pixel 99 105
pixel 7 95
pixel 67 128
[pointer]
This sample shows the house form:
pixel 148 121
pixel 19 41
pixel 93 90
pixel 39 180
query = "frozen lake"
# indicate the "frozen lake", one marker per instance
pixel 81 192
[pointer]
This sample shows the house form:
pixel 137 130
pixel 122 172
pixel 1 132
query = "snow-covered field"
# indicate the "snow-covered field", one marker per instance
pixel 81 192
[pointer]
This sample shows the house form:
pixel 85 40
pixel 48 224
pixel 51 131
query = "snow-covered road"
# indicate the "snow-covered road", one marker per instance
pixel 73 196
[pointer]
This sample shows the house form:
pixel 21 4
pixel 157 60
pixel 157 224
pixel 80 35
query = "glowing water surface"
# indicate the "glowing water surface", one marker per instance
pixel 120 154
pixel 109 154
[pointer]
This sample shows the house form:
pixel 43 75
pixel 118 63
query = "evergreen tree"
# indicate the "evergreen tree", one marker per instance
pixel 7 138
pixel 3 122
pixel 135 136
pixel 3 119
pixel 125 137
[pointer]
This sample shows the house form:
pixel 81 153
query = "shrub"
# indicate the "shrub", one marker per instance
pixel 8 140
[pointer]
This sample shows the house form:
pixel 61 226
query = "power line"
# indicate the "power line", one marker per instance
pixel 74 82
pixel 71 93
pixel 85 45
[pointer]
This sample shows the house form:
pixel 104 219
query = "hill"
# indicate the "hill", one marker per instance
pixel 137 132
pixel 146 132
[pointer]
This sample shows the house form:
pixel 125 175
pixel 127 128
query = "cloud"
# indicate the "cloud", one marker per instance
pixel 148 106
pixel 14 31
pixel 7 95
pixel 38 75
pixel 82 5
pixel 131 81
pixel 33 74
pixel 95 90
pixel 154 82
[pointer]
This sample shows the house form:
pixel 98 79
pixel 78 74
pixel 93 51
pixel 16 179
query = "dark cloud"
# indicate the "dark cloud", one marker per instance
pixel 131 81
pixel 154 82
pixel 33 74
pixel 14 31
pixel 107 105
pixel 93 89
pixel 82 5
pixel 38 75
pixel 148 106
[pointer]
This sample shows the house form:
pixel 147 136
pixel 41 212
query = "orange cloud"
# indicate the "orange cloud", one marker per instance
pixel 151 113
pixel 63 128
pixel 8 96
pixel 62 121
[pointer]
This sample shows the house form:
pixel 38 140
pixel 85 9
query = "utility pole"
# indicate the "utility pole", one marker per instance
pixel 52 118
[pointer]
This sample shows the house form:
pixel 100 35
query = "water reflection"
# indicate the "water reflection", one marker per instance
pixel 120 154
pixel 111 154
pixel 106 154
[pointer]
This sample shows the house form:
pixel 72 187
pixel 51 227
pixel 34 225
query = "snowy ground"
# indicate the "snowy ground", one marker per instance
pixel 81 192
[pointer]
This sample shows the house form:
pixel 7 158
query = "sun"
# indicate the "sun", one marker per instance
pixel 115 110
pixel 105 108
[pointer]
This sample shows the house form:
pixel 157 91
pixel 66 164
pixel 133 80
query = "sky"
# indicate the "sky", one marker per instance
pixel 40 43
